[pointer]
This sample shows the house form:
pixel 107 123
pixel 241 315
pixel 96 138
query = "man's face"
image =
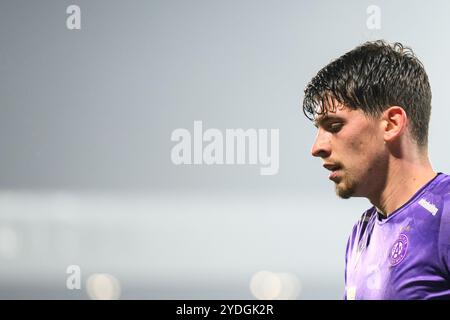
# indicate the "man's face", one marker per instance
pixel 352 147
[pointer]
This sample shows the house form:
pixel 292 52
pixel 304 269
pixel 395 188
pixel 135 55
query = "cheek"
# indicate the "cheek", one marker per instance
pixel 357 147
pixel 362 152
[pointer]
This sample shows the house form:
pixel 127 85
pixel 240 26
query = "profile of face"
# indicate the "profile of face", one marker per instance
pixel 352 147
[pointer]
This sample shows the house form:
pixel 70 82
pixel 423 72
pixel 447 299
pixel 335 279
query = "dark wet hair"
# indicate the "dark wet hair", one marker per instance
pixel 372 77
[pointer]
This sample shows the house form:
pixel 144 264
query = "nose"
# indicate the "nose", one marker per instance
pixel 321 147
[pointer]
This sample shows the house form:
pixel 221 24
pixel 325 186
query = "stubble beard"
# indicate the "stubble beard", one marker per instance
pixel 346 187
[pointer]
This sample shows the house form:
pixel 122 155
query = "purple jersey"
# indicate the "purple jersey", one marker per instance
pixel 406 255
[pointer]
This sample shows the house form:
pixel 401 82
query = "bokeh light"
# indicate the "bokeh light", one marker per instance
pixel 103 286
pixel 266 285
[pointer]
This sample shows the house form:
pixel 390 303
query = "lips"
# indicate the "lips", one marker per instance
pixel 331 167
pixel 333 175
pixel 334 168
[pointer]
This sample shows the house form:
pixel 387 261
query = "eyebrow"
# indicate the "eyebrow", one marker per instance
pixel 327 118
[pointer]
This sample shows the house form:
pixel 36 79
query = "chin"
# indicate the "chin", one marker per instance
pixel 344 194
pixel 345 191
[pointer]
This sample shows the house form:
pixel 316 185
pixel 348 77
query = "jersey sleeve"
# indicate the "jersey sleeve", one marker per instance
pixel 345 269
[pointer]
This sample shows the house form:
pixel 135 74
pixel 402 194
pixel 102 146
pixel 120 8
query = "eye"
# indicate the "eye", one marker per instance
pixel 335 127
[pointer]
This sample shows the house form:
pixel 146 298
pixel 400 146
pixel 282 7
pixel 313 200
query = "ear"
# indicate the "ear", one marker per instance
pixel 394 122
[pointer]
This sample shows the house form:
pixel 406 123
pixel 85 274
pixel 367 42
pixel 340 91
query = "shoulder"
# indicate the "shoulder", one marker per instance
pixel 432 212
pixel 444 227
pixel 432 208
pixel 442 186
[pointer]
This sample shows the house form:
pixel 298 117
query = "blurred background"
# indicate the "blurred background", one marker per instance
pixel 89 193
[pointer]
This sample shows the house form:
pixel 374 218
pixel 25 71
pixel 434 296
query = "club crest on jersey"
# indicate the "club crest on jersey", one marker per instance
pixel 398 250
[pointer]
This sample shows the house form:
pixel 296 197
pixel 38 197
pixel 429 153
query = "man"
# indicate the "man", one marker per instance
pixel 372 108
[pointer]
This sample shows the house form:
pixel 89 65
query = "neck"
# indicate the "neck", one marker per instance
pixel 403 180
